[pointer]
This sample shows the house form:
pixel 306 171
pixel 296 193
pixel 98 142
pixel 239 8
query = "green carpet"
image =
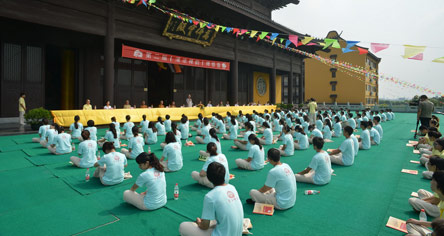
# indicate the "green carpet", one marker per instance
pixel 358 201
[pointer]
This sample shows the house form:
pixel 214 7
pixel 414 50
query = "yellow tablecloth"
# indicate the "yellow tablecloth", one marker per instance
pixel 103 117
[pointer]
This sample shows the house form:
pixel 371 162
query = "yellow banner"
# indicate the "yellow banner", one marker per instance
pixel 103 117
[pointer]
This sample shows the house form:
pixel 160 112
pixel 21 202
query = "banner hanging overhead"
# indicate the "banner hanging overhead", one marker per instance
pixel 141 54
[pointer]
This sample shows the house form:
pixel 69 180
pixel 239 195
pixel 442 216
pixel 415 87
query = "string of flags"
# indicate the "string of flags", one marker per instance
pixel 291 42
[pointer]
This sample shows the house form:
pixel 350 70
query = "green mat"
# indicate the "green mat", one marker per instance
pixel 16 147
pixel 42 156
pixel 13 160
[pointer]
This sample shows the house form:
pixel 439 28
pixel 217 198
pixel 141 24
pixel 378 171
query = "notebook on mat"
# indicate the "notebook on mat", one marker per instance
pixel 397 224
pixel 264 209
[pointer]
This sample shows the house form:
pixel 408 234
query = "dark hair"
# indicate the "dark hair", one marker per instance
pixel 170 138
pixel 328 121
pixel 337 119
pixel 135 130
pixel 233 120
pixel 286 128
pixel 128 117
pixel 311 127
pixel 167 117
pixel 370 124
pixel 144 117
pixel 45 121
pixel 423 97
pixel 112 128
pixel 21 94
pixel 143 157
pixel 274 155
pixel 213 134
pixel 76 120
pixel 113 119
pixel 350 115
pixel 438 176
pixel 107 146
pixel 174 128
pixel 348 129
pixel 437 161
pixel 300 130
pixel 438 227
pixel 212 149
pixel 364 123
pixel 433 129
pixel 216 173
pixel 183 120
pixel 435 134
pixel 377 118
pixel 266 125
pixel 318 142
pixel 249 125
pixel 253 137
pixel 152 126
pixel 61 129
pixel 56 127
pixel 440 142
pixel 205 121
pixel 90 123
pixel 85 134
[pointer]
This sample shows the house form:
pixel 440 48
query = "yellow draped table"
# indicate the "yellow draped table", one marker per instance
pixel 103 117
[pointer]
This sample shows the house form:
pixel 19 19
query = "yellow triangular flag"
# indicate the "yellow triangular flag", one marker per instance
pixel 439 60
pixel 253 33
pixel 411 51
pixel 306 40
pixel 217 28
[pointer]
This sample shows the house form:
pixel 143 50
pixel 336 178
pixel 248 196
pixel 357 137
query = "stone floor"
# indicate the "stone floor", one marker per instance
pixel 15 129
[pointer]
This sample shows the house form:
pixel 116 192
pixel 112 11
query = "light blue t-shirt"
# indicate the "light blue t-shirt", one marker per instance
pixel 276 125
pixel 160 128
pixel 254 125
pixel 151 137
pixel 155 184
pixel 289 122
pixel 375 135
pixel 178 136
pixel 223 205
pixel 326 132
pixel 117 126
pixel 219 148
pixel 378 127
pixel 221 126
pixel 365 138
pixel 76 132
pixel 109 136
pixel 136 146
pixel 337 129
pixel 317 133
pixel 173 153
pixel 348 152
pixel 206 134
pixel 87 149
pixel 282 179
pixel 115 163
pixel 289 144
pixel 319 124
pixel 352 123
pixel 198 124
pixel 233 132
pixel 92 133
pixel 302 140
pixel 222 159
pixel 167 124
pixel 144 125
pixel 42 131
pixel 184 130
pixel 128 127
pixel 355 144
pixel 258 157
pixel 246 135
pixel 321 164
pixel 51 134
pixel 268 134
pixel 359 120
pixel 305 126
pixel 63 143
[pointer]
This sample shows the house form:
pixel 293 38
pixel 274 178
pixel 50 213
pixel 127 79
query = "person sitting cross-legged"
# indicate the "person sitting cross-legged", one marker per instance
pixel 345 154
pixel 319 170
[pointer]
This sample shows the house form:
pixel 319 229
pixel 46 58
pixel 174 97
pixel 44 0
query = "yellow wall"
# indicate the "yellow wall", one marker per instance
pixel 348 88
pixel 256 97
pixel 278 89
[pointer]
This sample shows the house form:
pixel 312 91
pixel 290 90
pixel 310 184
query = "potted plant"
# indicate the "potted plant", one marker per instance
pixel 34 117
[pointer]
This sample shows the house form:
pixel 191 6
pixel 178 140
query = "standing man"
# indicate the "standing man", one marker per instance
pixel 22 108
pixel 425 110
pixel 189 101
pixel 312 106
pixel 87 106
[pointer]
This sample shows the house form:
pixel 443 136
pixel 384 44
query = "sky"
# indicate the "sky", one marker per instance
pixel 395 22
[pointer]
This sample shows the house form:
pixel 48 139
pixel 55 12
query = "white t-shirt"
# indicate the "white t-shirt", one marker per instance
pixel 92 133
pixel 288 141
pixel 365 138
pixel 109 136
pixel 87 149
pixel 167 124
pixel 173 153
pixel 115 163
pixel 42 131
pixel 317 133
pixel 375 135
pixel 128 127
pixel 220 158
pixel 321 164
pixel 63 143
pixel 223 205
pixel 302 140
pixel 219 147
pixel 155 183
pixel 282 179
pixel 76 132
pixel 348 152
pixel 136 146
pixel 268 134
pixel 258 157
pixel 355 144
pixel 160 128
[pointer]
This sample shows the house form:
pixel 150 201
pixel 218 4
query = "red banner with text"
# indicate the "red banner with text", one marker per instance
pixel 141 54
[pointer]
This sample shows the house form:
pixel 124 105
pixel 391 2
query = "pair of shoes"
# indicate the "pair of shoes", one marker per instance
pixel 250 201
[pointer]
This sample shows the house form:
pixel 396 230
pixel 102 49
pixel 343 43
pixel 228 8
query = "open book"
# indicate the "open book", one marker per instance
pixel 397 224
pixel 412 172
pixel 415 162
pixel 264 209
pixel 246 226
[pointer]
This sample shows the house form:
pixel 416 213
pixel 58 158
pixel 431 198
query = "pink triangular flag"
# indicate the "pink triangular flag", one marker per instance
pixel 293 39
pixel 376 47
pixel 418 57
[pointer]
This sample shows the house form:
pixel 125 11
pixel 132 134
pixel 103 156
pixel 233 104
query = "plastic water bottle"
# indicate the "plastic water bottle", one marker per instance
pixel 73 146
pixel 422 215
pixel 312 192
pixel 149 150
pixel 87 175
pixel 176 192
pixel 98 155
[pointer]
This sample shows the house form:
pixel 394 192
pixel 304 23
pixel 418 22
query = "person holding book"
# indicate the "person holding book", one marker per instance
pixel 201 177
pixel 319 171
pixel 279 188
pixel 437 185
pixel 222 212
pixel 345 154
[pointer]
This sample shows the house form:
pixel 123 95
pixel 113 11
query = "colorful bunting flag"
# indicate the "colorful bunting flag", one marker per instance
pixel 376 47
pixel 273 36
pixel 306 40
pixel 439 60
pixel 350 44
pixel 413 52
pixel 262 35
pixel 362 51
pixel 287 43
pixel 293 39
pixel 329 42
pixel 223 28
pixel 253 33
